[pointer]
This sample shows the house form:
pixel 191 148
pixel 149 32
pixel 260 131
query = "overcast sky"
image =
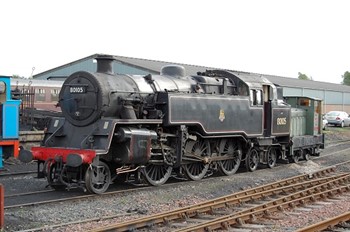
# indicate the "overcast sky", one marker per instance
pixel 270 37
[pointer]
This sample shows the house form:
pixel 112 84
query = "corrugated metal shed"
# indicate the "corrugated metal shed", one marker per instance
pixel 128 65
pixel 335 96
pixel 123 65
pixel 333 93
pixel 297 83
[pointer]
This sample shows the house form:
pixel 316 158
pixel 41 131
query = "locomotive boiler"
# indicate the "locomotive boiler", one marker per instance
pixel 149 127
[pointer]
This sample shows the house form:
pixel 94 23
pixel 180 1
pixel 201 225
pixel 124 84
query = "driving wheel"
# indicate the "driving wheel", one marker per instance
pixel 157 174
pixel 200 149
pixel 231 150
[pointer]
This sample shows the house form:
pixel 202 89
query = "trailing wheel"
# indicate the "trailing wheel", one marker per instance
pixel 306 154
pixel 97 178
pixel 296 158
pixel 199 149
pixel 271 157
pixel 232 150
pixel 252 160
pixel 157 174
pixel 297 155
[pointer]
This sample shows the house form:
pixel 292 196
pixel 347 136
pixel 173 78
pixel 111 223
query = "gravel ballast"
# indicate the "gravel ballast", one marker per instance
pixel 130 205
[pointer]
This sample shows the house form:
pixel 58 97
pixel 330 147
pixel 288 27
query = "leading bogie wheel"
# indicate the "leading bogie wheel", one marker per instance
pixel 252 160
pixel 53 176
pixel 200 149
pixel 97 178
pixel 157 174
pixel 232 150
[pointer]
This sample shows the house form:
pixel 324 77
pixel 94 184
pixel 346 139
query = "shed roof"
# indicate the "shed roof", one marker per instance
pixel 154 66
pixel 36 83
pixel 254 79
pixel 297 83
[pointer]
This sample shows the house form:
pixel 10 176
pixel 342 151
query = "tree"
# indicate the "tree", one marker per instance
pixel 302 76
pixel 346 78
pixel 15 76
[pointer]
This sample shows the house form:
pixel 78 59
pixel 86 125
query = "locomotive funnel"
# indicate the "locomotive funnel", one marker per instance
pixel 105 64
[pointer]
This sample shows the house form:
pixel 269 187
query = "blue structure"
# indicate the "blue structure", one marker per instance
pixel 9 114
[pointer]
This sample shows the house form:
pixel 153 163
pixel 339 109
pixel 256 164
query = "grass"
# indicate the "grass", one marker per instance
pixel 333 129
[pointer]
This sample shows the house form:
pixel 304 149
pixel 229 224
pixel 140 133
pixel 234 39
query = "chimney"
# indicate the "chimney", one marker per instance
pixel 105 64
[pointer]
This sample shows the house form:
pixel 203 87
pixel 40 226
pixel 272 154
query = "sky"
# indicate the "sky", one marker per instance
pixel 277 37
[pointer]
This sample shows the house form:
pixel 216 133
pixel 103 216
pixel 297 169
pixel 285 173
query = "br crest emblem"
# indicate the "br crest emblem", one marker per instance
pixel 222 115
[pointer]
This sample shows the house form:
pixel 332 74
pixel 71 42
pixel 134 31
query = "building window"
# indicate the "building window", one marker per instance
pixel 54 94
pixel 40 94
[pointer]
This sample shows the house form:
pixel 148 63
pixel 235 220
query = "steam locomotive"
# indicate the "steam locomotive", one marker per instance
pixel 9 107
pixel 148 128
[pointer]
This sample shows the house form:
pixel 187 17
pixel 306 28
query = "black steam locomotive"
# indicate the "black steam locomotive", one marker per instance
pixel 151 127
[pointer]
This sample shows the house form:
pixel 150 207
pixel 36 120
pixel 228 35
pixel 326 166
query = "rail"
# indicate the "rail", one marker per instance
pixel 279 187
pixel 290 201
pixel 329 223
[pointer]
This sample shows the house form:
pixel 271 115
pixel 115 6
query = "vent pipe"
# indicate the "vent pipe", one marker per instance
pixel 105 64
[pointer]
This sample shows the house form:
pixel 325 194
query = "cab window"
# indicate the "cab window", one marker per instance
pixel 2 87
pixel 2 91
pixel 256 98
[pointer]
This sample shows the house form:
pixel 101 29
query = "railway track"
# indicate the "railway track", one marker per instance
pixel 341 221
pixel 52 196
pixel 207 216
pixel 338 142
pixel 319 174
pixel 28 193
pixel 69 200
pixel 300 198
pixel 332 153
pixel 18 200
pixel 7 174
